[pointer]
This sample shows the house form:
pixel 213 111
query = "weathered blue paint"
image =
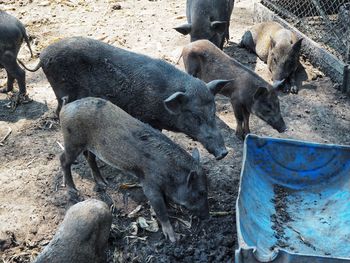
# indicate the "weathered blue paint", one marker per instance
pixel 317 177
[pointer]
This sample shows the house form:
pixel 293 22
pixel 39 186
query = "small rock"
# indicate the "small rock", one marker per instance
pixel 116 7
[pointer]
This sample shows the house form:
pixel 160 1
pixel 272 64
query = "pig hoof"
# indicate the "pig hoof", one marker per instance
pixel 294 89
pixel 169 233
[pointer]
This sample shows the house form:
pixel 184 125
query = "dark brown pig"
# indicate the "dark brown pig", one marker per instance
pixel 166 171
pixel 208 19
pixel 150 90
pixel 12 34
pixel 82 236
pixel 248 92
pixel 279 48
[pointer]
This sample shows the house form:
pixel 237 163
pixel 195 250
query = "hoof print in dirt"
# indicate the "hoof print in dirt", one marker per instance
pixel 82 236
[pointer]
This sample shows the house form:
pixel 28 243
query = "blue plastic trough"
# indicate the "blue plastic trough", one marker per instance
pixel 294 202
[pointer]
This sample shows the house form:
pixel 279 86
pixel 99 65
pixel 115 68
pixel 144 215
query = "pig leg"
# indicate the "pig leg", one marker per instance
pixel 91 159
pixel 157 201
pixel 10 64
pixel 246 129
pixel 293 85
pixel 10 81
pixel 67 158
pixel 237 110
pixel 222 42
pixel 192 65
pixel 58 109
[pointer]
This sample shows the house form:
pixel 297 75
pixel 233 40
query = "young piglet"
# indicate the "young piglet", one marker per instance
pixel 248 92
pixel 166 171
pixel 279 48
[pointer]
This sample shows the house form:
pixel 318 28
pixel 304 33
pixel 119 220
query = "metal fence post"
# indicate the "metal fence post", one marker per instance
pixel 346 74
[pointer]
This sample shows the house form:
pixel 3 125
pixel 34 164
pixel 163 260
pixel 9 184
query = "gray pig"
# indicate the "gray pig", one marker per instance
pixel 208 19
pixel 82 236
pixel 248 92
pixel 279 48
pixel 166 171
pixel 12 33
pixel 150 90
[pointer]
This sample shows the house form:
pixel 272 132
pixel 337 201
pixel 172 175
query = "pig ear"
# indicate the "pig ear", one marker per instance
pixel 191 178
pixel 297 46
pixel 195 154
pixel 218 26
pixel 272 42
pixel 184 29
pixel 260 92
pixel 215 86
pixel 175 102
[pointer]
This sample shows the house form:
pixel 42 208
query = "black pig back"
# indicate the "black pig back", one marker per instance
pixel 81 67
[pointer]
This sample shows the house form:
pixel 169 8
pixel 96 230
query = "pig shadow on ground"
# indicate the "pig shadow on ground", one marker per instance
pixel 243 56
pixel 31 111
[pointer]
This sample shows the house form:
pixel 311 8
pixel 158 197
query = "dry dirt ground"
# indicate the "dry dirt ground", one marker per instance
pixel 32 200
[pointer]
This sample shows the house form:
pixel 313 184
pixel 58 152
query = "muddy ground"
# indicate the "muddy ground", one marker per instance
pixel 32 201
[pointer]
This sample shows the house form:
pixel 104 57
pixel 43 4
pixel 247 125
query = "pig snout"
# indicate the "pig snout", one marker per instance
pixel 280 125
pixel 216 147
pixel 203 213
pixel 220 154
pixel 282 129
pixel 213 142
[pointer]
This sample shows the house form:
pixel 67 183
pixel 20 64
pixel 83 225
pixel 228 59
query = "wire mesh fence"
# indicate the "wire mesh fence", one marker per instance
pixel 327 22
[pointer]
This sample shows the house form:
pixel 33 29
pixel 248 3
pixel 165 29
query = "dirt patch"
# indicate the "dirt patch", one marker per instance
pixel 32 200
pixel 281 218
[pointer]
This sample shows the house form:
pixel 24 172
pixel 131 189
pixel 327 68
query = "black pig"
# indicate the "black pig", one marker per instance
pixel 12 34
pixel 149 89
pixel 165 170
pixel 208 19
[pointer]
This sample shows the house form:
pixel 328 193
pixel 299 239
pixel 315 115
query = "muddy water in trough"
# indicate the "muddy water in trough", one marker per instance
pixel 32 201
